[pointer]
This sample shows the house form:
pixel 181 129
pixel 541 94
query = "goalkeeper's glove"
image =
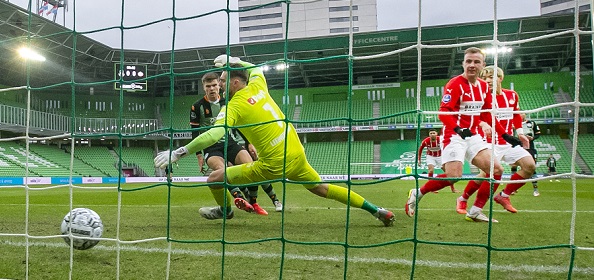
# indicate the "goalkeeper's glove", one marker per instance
pixel 463 132
pixel 162 158
pixel 221 60
pixel 514 141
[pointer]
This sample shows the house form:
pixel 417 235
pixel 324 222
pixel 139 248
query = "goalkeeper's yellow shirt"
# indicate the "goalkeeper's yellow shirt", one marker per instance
pixel 254 105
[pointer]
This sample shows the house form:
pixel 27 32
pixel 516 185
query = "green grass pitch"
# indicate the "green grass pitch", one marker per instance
pixel 310 240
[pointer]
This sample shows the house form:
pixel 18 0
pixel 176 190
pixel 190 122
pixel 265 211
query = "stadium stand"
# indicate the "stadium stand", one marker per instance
pixel 181 111
pixel 585 144
pixel 61 158
pixel 97 156
pixel 552 144
pixel 332 157
pixel 16 155
pixel 393 106
pixel 140 156
pixel 533 99
pixel 361 109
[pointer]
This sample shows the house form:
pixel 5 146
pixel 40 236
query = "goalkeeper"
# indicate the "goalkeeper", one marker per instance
pixel 251 104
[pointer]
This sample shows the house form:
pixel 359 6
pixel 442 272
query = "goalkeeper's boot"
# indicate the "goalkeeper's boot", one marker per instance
pixel 505 202
pixel 411 203
pixel 386 216
pixel 258 210
pixel 478 216
pixel 243 204
pixel 461 205
pixel 278 206
pixel 213 213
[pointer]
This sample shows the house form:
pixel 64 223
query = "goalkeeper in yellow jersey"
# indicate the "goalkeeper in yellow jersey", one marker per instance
pixel 250 103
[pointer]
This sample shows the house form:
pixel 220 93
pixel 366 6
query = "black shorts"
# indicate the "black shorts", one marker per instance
pixel 218 150
pixel 533 154
pixel 552 169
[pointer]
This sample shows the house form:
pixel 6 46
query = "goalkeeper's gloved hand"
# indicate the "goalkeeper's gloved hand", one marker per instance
pixel 162 158
pixel 514 141
pixel 463 132
pixel 221 60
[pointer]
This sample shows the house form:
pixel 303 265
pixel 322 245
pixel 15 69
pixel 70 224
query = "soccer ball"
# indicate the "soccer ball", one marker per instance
pixel 82 222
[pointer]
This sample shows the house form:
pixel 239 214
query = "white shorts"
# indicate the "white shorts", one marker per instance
pixel 508 154
pixel 435 161
pixel 463 149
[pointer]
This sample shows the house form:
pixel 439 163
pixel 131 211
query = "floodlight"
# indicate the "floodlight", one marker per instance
pixel 500 50
pixel 281 66
pixel 28 53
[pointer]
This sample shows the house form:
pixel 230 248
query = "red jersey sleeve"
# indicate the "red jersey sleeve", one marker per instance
pixel 486 116
pixel 517 121
pixel 450 102
pixel 423 145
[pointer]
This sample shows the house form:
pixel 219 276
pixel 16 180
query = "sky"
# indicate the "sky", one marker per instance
pixel 212 29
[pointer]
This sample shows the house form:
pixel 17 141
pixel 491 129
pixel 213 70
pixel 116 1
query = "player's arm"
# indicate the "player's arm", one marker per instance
pixel 536 131
pixel 488 118
pixel 517 123
pixel 204 140
pixel 227 116
pixel 421 148
pixel 450 99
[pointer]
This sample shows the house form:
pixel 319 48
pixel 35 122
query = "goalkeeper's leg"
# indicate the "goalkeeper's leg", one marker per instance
pixel 348 197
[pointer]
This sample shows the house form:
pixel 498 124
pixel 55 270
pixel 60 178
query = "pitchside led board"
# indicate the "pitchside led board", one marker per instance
pixel 130 74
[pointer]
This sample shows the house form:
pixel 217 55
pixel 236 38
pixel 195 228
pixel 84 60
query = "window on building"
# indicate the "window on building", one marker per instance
pixel 257 17
pixel 343 19
pixel 554 2
pixel 339 30
pixel 343 30
pixel 261 27
pixel 260 37
pixel 274 5
pixel 342 8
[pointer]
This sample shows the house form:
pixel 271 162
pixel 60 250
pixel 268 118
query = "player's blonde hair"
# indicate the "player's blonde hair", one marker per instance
pixel 489 70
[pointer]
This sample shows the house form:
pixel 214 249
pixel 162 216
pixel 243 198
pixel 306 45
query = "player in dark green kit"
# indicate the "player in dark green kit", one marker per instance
pixel 203 114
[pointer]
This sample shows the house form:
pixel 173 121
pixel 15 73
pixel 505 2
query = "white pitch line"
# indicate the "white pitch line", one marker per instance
pixel 290 207
pixel 428 263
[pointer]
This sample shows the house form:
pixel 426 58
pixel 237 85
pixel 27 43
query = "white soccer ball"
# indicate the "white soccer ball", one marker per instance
pixel 82 222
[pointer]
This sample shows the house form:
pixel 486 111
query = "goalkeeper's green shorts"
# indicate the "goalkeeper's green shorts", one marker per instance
pixel 297 169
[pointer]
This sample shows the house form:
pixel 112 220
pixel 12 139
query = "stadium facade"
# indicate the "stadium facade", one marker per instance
pixel 555 7
pixel 320 18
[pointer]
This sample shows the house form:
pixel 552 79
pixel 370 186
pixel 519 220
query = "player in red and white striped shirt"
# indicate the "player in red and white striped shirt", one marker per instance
pixel 507 104
pixel 465 94
pixel 433 157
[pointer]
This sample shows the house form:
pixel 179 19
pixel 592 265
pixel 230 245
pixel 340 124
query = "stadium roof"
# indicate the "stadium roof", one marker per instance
pixel 310 65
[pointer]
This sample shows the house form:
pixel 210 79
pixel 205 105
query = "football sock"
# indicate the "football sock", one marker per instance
pixel 470 189
pixel 430 174
pixel 484 191
pixel 270 191
pixel 219 196
pixel 435 185
pixel 236 193
pixel 341 194
pixel 512 187
pixel 253 193
pixel 474 209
